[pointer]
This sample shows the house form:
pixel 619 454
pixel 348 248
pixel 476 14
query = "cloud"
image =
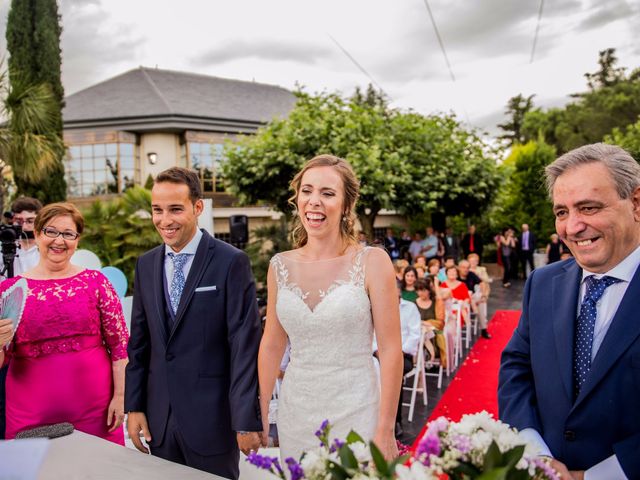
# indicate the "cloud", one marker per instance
pixel 264 49
pixel 92 46
pixel 602 15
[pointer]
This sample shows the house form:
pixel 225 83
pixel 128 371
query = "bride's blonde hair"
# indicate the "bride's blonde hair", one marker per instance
pixel 351 187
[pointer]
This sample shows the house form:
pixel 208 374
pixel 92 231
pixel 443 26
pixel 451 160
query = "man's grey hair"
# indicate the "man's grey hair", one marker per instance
pixel 624 170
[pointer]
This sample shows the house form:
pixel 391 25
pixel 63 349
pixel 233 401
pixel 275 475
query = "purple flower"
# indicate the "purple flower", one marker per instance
pixel 295 469
pixel 337 445
pixel 429 445
pixel 462 443
pixel 265 463
pixel 548 471
pixel 323 428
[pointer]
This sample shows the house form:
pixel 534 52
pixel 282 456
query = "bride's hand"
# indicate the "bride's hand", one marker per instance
pixel 386 442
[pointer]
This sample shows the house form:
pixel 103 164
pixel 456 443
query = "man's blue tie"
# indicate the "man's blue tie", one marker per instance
pixel 586 322
pixel 178 280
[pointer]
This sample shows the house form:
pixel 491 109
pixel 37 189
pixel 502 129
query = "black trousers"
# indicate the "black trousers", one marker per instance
pixel 174 449
pixel 526 257
pixel 407 365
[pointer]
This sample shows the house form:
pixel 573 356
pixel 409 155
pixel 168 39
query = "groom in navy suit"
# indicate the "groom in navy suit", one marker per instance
pixel 570 376
pixel 191 383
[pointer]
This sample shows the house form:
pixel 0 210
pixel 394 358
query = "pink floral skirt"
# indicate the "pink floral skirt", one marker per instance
pixel 74 387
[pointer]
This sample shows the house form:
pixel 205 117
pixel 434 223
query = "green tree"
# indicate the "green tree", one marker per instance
pixel 612 101
pixel 628 138
pixel 405 161
pixel 28 110
pixel 33 41
pixel 517 108
pixel 523 197
pixel 120 230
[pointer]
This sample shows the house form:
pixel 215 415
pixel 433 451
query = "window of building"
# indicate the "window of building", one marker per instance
pixel 100 168
pixel 206 158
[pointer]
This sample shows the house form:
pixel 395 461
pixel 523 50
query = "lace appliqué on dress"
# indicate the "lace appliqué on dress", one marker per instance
pixel 356 275
pixel 282 278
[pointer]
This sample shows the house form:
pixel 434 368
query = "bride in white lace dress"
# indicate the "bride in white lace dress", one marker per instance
pixel 328 296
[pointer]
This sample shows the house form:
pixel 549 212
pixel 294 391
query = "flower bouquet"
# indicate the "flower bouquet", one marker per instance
pixel 476 447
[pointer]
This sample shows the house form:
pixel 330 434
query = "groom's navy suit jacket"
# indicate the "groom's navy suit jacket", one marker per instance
pixel 536 386
pixel 202 364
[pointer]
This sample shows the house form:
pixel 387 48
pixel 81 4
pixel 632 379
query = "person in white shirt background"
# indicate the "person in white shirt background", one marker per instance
pixel 24 211
pixel 410 328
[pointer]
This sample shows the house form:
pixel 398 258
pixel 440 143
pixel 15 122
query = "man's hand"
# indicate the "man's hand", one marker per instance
pixel 577 474
pixel 136 423
pixel 561 468
pixel 248 442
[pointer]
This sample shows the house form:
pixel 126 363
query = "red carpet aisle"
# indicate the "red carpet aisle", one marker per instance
pixel 475 386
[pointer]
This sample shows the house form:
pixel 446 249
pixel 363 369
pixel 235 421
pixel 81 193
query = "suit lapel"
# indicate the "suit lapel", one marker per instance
pixel 565 287
pixel 201 260
pixel 158 291
pixel 623 331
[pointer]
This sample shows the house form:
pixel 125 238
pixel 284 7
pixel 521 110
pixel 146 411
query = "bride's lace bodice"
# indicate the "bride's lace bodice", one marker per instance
pixel 325 310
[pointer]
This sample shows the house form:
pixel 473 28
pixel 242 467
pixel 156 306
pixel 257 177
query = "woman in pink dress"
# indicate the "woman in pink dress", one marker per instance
pixel 457 288
pixel 68 354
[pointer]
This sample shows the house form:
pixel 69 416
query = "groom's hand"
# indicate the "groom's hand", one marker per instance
pixel 248 441
pixel 136 423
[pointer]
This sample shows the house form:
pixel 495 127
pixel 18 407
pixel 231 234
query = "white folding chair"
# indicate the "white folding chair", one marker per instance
pixel 419 378
pixel 437 361
pixel 453 315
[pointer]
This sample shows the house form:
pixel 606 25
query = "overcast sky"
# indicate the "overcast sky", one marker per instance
pixel 288 42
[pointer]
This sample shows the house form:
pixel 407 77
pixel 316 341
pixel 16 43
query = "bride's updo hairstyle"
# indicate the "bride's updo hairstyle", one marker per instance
pixel 351 190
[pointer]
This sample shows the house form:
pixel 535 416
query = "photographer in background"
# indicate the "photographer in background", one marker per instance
pixel 24 211
pixel 27 256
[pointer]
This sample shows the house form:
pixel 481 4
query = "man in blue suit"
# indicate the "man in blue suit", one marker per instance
pixel 191 383
pixel 570 376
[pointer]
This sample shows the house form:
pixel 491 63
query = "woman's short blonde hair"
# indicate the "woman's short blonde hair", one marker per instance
pixel 49 212
pixel 351 187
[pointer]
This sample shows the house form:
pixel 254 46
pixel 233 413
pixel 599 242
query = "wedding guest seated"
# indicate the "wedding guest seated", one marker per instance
pixel 459 290
pixel 433 268
pixel 408 284
pixel 448 262
pixel 420 261
pixel 431 309
pixel 421 272
pixel 68 355
pixel 478 291
pixel 399 266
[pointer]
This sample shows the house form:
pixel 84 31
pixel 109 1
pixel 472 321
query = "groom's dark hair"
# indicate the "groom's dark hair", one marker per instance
pixel 182 176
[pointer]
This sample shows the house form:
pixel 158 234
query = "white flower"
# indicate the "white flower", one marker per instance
pixel 417 471
pixel 361 451
pixel 313 463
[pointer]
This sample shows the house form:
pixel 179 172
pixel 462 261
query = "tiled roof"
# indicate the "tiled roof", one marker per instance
pixel 150 92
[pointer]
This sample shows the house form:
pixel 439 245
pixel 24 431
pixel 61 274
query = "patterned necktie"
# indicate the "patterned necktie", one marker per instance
pixel 586 322
pixel 178 280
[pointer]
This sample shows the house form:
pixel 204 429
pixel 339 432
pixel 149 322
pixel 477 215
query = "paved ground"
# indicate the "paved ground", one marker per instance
pixel 500 299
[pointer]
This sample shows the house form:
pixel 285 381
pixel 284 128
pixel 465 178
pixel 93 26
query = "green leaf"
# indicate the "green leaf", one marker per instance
pixel 347 458
pixel 513 456
pixel 493 457
pixel 354 437
pixel 337 471
pixel 494 474
pixel 379 461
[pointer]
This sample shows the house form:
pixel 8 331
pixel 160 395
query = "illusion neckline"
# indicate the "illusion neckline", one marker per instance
pixel 350 252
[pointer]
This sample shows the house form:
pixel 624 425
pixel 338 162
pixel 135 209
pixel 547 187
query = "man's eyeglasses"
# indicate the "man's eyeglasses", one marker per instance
pixel 54 233
pixel 22 221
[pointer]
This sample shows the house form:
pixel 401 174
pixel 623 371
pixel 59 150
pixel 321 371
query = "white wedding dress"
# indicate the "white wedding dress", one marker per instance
pixel 325 310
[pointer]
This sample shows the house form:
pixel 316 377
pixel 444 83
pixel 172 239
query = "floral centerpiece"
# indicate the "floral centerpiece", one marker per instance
pixel 476 447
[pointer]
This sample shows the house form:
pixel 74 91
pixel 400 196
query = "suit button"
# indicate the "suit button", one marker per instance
pixel 569 435
pixel 170 357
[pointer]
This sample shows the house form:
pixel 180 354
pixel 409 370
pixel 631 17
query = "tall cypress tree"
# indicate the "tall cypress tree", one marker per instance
pixel 33 41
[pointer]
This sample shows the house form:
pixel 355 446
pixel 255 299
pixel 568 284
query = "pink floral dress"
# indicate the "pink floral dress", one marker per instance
pixel 60 361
